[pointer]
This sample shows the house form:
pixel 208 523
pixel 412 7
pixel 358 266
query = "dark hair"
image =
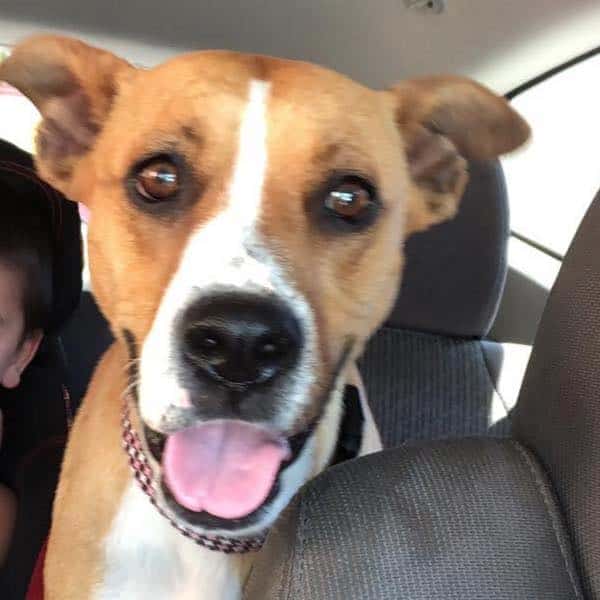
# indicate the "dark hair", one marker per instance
pixel 40 234
pixel 26 243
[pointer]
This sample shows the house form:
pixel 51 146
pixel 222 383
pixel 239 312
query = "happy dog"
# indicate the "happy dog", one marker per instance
pixel 247 222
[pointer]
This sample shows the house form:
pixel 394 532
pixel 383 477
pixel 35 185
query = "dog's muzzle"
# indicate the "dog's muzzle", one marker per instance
pixel 226 437
pixel 235 353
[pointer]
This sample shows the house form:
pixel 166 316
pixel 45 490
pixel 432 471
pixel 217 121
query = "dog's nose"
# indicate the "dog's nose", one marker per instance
pixel 239 340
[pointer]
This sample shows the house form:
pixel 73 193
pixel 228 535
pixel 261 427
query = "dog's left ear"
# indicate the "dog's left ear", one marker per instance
pixel 443 122
pixel 73 85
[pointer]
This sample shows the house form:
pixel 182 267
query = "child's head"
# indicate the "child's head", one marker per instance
pixel 25 275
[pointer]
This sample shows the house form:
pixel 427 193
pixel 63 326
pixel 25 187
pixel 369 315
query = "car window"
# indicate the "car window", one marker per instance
pixel 19 128
pixel 552 181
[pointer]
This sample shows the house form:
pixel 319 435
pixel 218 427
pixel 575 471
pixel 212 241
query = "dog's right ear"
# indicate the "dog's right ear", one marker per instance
pixel 73 86
pixel 445 121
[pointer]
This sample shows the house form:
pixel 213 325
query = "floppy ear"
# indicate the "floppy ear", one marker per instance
pixel 445 121
pixel 73 86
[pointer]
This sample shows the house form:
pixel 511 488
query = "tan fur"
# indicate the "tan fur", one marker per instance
pixel 85 505
pixel 411 141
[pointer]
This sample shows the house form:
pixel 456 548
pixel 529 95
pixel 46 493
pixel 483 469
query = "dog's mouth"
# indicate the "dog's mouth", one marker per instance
pixel 221 474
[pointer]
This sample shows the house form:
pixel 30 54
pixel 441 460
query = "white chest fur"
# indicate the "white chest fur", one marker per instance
pixel 145 557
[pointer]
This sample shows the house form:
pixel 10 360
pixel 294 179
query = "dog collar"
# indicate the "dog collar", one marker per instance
pixel 347 447
pixel 350 435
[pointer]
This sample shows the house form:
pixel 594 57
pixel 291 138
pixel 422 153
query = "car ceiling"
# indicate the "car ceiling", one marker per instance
pixel 500 42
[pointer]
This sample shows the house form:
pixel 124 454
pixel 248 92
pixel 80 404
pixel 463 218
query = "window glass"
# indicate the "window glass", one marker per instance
pixel 552 181
pixel 18 116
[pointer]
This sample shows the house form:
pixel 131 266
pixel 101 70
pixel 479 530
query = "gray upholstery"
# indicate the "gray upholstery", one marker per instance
pixel 427 374
pixel 460 520
pixel 455 272
pixel 558 415
pixel 426 387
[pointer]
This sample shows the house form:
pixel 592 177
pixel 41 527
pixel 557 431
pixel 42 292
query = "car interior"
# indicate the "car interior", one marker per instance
pixel 484 378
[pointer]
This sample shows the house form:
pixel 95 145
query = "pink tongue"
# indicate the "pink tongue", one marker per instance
pixel 226 468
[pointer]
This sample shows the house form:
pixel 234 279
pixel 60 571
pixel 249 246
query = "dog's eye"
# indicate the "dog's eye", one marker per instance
pixel 158 181
pixel 350 200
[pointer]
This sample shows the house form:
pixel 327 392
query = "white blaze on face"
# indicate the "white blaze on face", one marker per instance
pixel 227 254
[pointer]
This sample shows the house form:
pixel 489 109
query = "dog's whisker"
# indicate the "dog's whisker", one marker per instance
pixel 133 362
pixel 131 386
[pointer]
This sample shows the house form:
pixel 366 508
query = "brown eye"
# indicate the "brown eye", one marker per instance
pixel 158 181
pixel 349 201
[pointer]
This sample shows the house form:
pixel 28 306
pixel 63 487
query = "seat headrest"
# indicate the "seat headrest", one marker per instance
pixel 455 272
pixel 17 171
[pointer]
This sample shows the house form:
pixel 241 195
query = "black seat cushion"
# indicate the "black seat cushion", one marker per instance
pixel 85 337
pixel 463 520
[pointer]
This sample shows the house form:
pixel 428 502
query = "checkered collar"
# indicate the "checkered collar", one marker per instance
pixel 348 446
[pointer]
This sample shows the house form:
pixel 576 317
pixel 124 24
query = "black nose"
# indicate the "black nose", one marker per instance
pixel 240 340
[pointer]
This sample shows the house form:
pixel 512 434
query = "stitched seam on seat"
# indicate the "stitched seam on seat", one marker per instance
pixel 298 550
pixel 548 504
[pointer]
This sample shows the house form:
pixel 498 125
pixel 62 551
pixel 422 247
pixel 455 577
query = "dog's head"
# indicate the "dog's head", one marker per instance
pixel 248 216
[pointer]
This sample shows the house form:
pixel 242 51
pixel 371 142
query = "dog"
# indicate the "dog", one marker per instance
pixel 247 222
